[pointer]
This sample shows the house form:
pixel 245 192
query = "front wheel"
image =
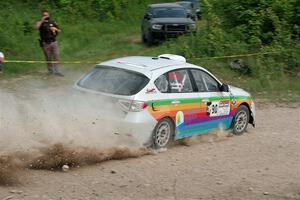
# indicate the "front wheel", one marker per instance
pixel 143 37
pixel 241 120
pixel 150 39
pixel 163 133
pixel 195 18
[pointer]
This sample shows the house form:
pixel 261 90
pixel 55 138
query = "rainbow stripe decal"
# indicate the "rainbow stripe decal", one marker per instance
pixel 194 117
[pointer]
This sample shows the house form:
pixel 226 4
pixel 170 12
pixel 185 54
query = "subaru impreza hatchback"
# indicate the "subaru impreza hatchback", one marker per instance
pixel 165 98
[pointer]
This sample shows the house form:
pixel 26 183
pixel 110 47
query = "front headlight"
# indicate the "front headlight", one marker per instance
pixel 157 26
pixel 192 27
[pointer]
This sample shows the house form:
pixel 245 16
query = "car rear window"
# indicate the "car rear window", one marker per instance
pixel 114 81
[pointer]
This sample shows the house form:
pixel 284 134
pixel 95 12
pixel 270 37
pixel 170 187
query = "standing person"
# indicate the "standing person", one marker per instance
pixel 48 31
pixel 1 62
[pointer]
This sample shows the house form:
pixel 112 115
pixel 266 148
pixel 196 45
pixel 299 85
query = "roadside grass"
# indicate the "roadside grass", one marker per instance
pixel 89 40
pixel 274 88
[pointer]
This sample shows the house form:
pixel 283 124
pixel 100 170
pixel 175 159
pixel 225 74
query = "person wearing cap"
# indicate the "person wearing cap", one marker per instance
pixel 48 30
pixel 1 62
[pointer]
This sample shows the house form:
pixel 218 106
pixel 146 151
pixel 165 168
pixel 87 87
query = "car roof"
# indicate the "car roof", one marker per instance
pixel 184 2
pixel 142 62
pixel 165 5
pixel 147 65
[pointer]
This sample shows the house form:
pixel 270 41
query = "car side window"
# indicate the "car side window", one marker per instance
pixel 162 83
pixel 211 84
pixel 197 74
pixel 179 81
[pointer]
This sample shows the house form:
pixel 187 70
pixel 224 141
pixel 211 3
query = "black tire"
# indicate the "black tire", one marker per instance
pixel 195 18
pixel 150 39
pixel 143 37
pixel 163 133
pixel 240 120
pixel 144 40
pixel 199 16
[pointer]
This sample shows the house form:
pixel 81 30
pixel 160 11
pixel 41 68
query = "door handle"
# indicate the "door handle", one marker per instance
pixel 205 100
pixel 153 108
pixel 175 102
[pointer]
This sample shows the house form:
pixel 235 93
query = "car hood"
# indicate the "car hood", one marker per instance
pixel 172 20
pixel 238 91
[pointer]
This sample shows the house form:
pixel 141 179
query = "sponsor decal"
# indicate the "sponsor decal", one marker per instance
pixel 233 102
pixel 150 91
pixel 179 118
pixel 219 108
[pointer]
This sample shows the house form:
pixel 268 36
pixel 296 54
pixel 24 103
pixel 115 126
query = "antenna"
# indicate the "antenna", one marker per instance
pixel 172 57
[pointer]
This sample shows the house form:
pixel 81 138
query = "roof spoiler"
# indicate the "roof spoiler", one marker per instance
pixel 173 57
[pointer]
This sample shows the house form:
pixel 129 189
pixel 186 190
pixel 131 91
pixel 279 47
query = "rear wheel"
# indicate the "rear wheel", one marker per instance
pixel 241 120
pixel 163 133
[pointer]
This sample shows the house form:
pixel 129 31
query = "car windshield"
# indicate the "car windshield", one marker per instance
pixel 186 5
pixel 169 13
pixel 195 2
pixel 114 81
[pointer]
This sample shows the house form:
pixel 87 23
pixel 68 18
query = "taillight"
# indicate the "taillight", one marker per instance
pixel 133 106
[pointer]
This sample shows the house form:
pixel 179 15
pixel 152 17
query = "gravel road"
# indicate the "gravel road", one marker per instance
pixel 261 164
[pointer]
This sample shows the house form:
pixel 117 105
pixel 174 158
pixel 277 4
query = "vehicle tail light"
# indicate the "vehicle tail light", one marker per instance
pixel 133 106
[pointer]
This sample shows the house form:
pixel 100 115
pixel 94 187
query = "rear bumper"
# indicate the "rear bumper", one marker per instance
pixel 134 127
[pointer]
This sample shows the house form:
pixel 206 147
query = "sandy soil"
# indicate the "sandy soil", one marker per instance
pixel 262 164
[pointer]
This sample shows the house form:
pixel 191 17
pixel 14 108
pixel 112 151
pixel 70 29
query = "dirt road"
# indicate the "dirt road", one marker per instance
pixel 262 164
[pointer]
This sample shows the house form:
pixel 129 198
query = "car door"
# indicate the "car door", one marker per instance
pixel 215 109
pixel 178 100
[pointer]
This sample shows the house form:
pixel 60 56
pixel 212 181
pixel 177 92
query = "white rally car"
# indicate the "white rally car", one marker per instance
pixel 165 98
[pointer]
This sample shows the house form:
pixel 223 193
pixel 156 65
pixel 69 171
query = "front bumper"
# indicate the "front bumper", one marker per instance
pixel 171 31
pixel 253 113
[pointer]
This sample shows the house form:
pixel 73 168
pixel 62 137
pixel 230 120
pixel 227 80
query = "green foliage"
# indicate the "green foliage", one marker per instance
pixel 94 30
pixel 234 27
pixel 260 21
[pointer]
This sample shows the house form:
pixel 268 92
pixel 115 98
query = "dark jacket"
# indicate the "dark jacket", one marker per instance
pixel 46 34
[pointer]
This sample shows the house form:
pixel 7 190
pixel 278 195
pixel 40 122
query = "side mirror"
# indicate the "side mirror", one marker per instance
pixel 188 15
pixel 224 88
pixel 148 16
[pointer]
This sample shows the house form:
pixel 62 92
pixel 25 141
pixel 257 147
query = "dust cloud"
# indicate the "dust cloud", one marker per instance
pixel 10 168
pixel 49 128
pixel 44 127
pixel 55 157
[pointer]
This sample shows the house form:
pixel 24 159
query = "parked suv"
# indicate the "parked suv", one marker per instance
pixel 197 7
pixel 189 6
pixel 167 20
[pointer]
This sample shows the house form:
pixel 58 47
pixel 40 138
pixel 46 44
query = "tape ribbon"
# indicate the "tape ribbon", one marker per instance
pixel 95 62
pixel 52 62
